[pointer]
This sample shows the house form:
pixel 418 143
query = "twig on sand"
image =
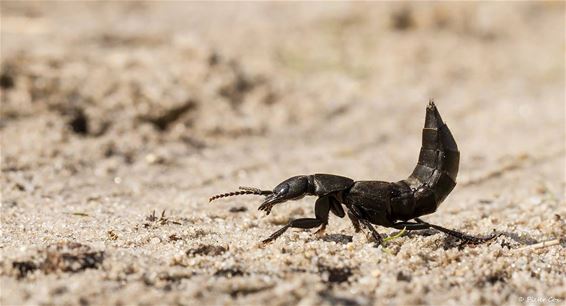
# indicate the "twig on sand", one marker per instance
pixel 540 245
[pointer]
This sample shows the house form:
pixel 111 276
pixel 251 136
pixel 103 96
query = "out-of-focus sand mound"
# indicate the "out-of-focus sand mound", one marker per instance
pixel 119 120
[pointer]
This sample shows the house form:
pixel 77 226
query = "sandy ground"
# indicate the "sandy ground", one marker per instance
pixel 114 113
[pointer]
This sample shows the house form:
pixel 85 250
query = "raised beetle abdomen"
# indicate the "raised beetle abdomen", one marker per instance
pixel 434 177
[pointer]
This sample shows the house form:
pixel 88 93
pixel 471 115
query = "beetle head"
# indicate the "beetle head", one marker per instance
pixel 291 189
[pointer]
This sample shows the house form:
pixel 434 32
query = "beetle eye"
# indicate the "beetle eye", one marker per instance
pixel 283 189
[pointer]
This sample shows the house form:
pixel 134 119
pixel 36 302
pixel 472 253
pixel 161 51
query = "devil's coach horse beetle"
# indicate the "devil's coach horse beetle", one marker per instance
pixel 375 202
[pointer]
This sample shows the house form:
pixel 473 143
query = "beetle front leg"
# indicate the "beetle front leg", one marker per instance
pixel 321 209
pixel 297 223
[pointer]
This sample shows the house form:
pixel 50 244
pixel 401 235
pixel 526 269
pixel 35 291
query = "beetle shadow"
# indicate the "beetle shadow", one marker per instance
pixel 338 238
pixel 416 233
pixel 453 242
pixel 521 239
pixel 449 242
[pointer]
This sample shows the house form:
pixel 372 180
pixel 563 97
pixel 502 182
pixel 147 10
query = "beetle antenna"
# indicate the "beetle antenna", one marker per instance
pixel 243 191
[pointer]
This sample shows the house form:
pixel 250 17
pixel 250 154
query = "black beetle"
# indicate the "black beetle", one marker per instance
pixel 376 202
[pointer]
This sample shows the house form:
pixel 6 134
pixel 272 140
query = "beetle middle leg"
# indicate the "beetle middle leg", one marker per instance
pixel 359 218
pixel 355 221
pixel 376 236
pixel 321 211
pixel 420 225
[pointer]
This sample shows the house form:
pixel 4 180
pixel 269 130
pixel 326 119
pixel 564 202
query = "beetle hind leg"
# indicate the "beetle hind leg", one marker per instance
pixel 420 225
pixel 466 239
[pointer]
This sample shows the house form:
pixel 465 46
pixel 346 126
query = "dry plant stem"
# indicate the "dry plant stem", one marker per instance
pixel 540 245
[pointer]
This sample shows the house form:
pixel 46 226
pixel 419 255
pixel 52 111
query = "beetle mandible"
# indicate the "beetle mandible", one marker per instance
pixel 371 203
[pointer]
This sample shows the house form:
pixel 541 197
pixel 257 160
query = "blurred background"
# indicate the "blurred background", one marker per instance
pixel 112 110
